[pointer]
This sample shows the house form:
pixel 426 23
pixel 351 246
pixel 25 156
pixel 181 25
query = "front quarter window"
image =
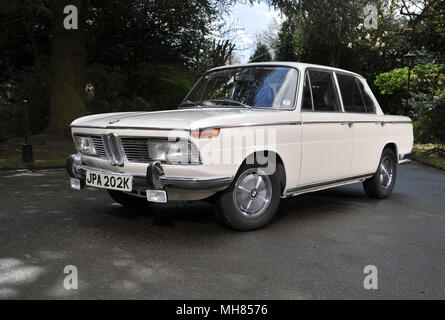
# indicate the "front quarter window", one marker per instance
pixel 254 87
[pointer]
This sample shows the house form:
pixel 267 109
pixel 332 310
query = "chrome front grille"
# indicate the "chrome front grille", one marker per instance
pixel 120 149
pixel 98 144
pixel 114 149
pixel 136 149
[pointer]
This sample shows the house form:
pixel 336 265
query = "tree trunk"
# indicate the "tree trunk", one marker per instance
pixel 68 56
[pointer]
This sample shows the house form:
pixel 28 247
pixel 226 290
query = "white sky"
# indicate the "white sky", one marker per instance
pixel 252 20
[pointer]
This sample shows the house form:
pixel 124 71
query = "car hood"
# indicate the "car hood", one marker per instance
pixel 186 119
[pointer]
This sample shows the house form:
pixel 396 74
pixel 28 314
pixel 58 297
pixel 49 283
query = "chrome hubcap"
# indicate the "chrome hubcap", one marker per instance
pixel 386 173
pixel 252 193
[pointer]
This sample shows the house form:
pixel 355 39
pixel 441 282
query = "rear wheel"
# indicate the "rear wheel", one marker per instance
pixel 380 185
pixel 251 201
pixel 128 200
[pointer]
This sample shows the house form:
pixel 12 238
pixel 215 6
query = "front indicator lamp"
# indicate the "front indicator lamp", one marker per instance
pixel 205 133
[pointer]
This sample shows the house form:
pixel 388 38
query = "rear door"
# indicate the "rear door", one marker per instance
pixel 368 134
pixel 326 134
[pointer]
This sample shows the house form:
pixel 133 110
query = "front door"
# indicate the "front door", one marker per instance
pixel 326 131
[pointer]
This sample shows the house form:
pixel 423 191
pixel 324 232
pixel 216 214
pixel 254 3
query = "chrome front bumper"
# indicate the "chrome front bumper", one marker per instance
pixel 154 179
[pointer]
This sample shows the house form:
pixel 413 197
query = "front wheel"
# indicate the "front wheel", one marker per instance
pixel 251 201
pixel 380 185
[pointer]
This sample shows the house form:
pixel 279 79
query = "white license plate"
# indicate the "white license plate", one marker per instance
pixel 109 181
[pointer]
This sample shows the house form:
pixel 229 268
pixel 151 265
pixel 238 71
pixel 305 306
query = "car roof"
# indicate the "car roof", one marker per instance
pixel 298 65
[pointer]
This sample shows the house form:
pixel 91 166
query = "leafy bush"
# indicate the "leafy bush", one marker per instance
pixel 429 114
pixel 428 78
pixel 426 102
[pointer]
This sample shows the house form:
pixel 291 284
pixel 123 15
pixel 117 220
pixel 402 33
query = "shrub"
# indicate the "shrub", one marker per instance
pixel 426 102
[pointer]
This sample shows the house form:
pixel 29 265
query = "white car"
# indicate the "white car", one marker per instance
pixel 244 137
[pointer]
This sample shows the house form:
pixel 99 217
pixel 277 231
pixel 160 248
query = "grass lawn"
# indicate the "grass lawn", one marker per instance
pixel 431 154
pixel 49 151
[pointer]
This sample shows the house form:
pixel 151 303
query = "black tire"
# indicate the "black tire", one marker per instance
pixel 228 212
pixel 378 186
pixel 128 200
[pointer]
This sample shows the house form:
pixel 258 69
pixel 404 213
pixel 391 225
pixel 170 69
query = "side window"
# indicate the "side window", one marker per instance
pixel 351 94
pixel 307 94
pixel 369 104
pixel 323 92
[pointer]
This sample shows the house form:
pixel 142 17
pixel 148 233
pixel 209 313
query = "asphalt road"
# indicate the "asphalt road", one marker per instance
pixel 317 247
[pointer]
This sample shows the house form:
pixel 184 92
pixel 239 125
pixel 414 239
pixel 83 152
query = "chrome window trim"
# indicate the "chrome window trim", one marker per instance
pixel 336 93
pixel 337 88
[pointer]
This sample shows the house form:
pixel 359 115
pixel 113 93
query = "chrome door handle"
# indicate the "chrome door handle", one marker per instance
pixel 348 123
pixel 382 123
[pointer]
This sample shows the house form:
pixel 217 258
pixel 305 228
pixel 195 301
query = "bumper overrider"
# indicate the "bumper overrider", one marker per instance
pixel 406 158
pixel 154 181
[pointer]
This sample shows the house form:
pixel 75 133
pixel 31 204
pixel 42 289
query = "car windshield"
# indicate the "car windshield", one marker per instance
pixel 249 87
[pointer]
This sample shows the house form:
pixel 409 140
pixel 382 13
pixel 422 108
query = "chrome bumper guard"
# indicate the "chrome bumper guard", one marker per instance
pixel 153 180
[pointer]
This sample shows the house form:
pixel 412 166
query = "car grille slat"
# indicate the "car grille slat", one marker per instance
pixel 99 146
pixel 136 149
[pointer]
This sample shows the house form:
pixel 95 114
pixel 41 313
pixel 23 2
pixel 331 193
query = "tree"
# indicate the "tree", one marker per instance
pixel 286 46
pixel 222 51
pixel 261 54
pixel 68 56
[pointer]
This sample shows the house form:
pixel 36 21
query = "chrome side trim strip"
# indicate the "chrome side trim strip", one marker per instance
pixel 374 121
pixel 258 124
pixel 327 183
pixel 398 122
pixel 324 122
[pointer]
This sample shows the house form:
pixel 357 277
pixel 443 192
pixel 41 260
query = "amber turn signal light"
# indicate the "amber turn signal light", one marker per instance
pixel 206 133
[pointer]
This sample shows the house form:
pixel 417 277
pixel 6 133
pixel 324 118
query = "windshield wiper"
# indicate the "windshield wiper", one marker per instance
pixel 229 101
pixel 188 103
